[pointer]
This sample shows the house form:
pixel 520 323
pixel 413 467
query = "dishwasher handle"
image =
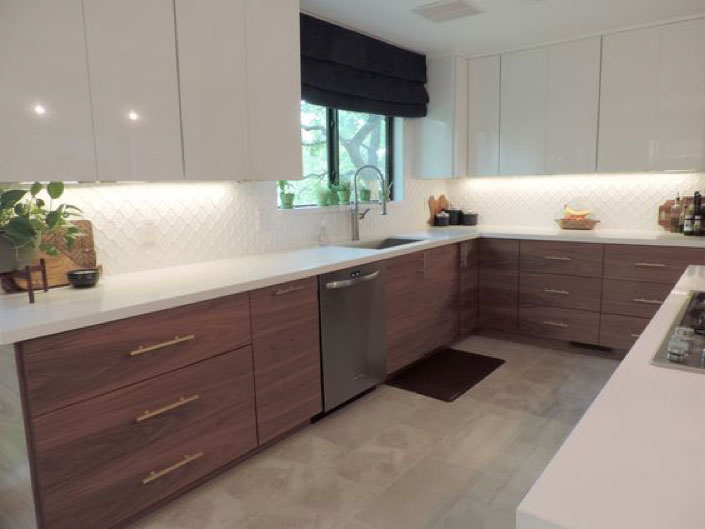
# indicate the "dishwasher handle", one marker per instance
pixel 345 283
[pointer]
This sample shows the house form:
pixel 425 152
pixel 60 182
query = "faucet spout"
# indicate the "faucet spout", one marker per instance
pixel 355 210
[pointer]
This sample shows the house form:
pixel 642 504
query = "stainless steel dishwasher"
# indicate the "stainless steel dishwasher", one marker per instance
pixel 352 332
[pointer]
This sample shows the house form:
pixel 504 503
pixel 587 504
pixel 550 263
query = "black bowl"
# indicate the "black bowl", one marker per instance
pixel 84 278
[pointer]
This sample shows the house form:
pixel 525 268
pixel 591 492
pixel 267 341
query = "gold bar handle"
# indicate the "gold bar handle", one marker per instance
pixel 556 258
pixel 650 265
pixel 556 324
pixel 183 401
pixel 177 340
pixel 647 301
pixel 557 292
pixel 288 290
pixel 157 474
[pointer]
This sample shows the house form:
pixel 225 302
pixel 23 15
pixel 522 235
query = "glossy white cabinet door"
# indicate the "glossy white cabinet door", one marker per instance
pixel 681 92
pixel 572 109
pixel 440 143
pixel 132 67
pixel 629 101
pixel 523 112
pixel 483 116
pixel 45 114
pixel 274 87
pixel 212 60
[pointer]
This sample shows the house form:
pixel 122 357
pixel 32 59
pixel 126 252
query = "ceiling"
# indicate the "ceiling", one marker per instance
pixel 504 24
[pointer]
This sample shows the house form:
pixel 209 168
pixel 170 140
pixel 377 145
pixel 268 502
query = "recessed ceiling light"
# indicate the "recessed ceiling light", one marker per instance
pixel 447 10
pixel 40 110
pixel 133 116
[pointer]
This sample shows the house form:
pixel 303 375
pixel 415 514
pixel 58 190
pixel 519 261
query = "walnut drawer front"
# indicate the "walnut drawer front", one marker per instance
pixel 563 324
pixel 104 460
pixel 633 298
pixel 73 366
pixel 547 290
pixel 566 258
pixel 620 332
pixel 287 353
pixel 656 264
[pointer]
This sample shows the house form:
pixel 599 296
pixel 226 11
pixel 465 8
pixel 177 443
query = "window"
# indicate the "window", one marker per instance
pixel 337 142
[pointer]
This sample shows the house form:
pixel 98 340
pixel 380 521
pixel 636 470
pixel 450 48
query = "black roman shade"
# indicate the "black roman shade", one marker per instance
pixel 343 69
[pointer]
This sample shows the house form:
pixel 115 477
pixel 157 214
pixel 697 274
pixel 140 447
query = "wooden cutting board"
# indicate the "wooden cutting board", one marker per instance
pixel 82 255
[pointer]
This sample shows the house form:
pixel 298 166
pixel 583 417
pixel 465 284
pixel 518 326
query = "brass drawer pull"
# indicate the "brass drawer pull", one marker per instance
pixel 556 324
pixel 557 258
pixel 183 401
pixel 634 335
pixel 647 301
pixel 557 292
pixel 177 340
pixel 650 265
pixel 157 474
pixel 288 290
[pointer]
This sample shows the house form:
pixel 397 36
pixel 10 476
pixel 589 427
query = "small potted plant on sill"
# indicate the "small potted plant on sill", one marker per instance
pixel 388 191
pixel 364 192
pixel 342 190
pixel 286 195
pixel 325 196
pixel 29 226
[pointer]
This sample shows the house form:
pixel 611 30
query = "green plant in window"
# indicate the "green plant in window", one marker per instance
pixel 364 192
pixel 342 190
pixel 287 195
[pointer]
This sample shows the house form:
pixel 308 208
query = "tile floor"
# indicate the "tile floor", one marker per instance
pixel 395 459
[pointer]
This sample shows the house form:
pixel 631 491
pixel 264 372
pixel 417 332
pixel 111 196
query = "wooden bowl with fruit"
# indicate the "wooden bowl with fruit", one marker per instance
pixel 576 219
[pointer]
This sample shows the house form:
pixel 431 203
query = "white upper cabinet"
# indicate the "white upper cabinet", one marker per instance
pixel 523 114
pixel 212 66
pixel 441 138
pixel 680 120
pixel 45 114
pixel 629 101
pixel 274 89
pixel 132 67
pixel 573 105
pixel 483 116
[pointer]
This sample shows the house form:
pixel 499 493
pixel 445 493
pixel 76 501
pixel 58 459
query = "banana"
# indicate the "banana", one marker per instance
pixel 575 213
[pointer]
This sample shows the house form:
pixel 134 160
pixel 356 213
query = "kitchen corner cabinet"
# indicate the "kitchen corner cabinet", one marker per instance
pixel 483 116
pixel 469 286
pixel 549 100
pixel 652 111
pixel 134 86
pixel 441 138
pixel 499 284
pixel 287 356
pixel 45 111
pixel 212 58
pixel 421 296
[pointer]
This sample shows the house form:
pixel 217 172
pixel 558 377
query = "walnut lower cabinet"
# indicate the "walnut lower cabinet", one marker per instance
pixel 499 284
pixel 469 286
pixel 286 342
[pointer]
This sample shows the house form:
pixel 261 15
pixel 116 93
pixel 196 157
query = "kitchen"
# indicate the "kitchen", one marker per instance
pixel 359 265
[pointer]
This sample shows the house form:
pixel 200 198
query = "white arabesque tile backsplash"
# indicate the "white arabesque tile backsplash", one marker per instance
pixel 156 225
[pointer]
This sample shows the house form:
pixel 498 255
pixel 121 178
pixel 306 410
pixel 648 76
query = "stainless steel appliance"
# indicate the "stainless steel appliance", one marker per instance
pixel 684 347
pixel 352 332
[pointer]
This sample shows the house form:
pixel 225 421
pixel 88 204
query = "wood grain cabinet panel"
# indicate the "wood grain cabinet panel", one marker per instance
pixel 568 292
pixel 620 332
pixel 565 258
pixel 633 298
pixel 563 324
pixel 499 284
pixel 287 354
pixel 469 286
pixel 655 264
pixel 70 367
pixel 98 464
pixel 442 288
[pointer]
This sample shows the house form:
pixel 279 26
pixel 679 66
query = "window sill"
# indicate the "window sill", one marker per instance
pixel 302 210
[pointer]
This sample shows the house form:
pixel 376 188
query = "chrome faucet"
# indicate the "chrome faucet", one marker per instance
pixel 355 214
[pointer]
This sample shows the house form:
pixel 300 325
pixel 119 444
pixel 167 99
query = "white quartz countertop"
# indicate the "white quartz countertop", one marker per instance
pixel 126 295
pixel 635 460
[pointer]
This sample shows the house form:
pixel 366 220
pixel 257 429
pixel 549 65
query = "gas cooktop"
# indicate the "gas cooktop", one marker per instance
pixel 684 347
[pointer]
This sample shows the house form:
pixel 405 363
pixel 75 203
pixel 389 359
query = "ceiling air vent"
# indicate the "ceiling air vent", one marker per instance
pixel 447 10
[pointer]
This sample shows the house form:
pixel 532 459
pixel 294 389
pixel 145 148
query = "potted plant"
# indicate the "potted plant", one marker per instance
pixel 325 196
pixel 364 192
pixel 30 226
pixel 342 190
pixel 388 191
pixel 286 194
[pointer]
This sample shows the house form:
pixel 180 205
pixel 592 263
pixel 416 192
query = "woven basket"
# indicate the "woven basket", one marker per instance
pixel 577 224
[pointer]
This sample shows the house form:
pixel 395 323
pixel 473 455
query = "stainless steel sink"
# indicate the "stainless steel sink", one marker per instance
pixel 381 244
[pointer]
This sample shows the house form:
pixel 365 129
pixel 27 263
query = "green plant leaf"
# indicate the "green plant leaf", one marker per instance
pixel 54 217
pixel 40 203
pixel 9 198
pixel 35 189
pixel 55 189
pixel 20 230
